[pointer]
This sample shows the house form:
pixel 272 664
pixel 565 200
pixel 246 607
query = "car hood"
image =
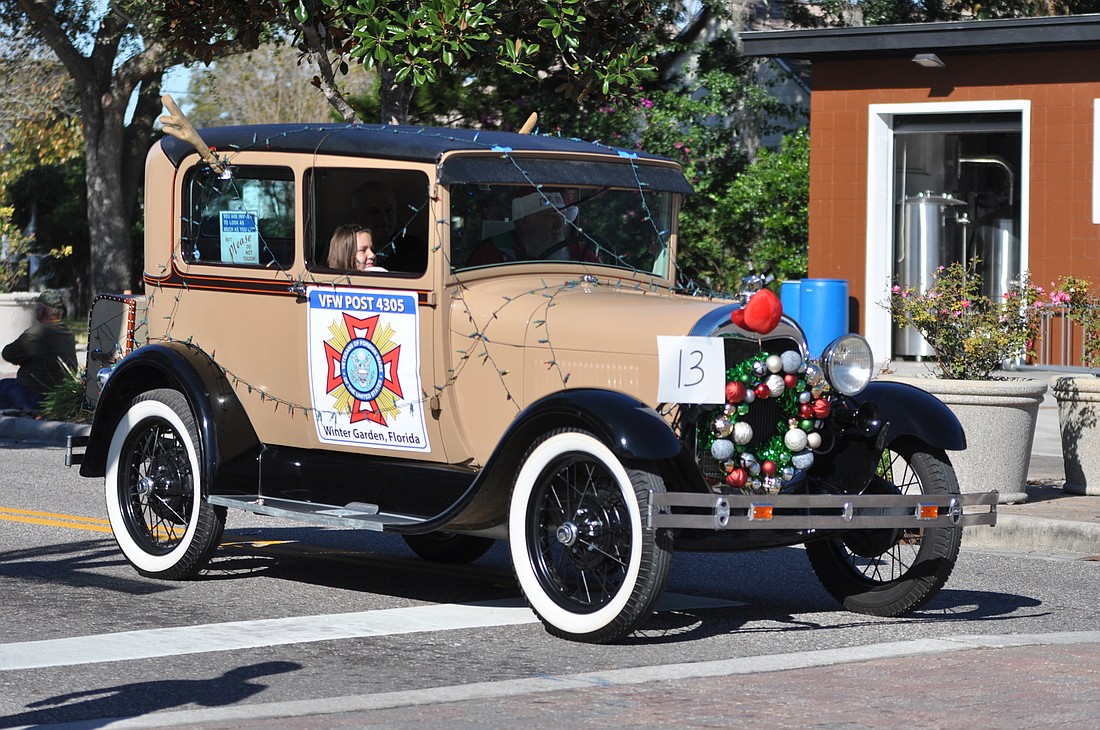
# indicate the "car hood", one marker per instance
pixel 609 315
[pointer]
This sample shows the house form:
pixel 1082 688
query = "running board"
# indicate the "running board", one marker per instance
pixel 354 514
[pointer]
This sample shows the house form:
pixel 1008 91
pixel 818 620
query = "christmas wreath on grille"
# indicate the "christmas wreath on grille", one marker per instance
pixel 798 388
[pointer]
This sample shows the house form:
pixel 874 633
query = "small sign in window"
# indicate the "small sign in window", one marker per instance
pixel 240 237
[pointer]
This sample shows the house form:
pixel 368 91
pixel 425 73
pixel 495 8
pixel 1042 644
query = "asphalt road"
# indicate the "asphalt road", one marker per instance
pixel 293 622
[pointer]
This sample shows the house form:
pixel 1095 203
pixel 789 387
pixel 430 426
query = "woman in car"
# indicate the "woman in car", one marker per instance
pixel 352 248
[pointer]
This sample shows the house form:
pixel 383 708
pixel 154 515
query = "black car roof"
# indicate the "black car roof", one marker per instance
pixel 418 144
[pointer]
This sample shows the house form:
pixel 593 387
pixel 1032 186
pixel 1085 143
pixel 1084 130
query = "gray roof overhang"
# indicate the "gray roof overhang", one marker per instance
pixel 1066 32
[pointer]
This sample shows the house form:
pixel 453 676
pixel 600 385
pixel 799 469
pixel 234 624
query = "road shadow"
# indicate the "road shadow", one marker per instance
pixel 353 561
pixel 948 607
pixel 102 706
pixel 76 564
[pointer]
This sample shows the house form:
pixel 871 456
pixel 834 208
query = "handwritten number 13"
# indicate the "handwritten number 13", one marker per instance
pixel 698 355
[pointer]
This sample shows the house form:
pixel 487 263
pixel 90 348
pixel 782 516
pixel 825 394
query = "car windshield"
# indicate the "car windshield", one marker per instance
pixel 494 225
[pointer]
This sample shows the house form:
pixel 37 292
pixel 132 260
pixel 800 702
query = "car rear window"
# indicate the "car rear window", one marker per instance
pixel 244 218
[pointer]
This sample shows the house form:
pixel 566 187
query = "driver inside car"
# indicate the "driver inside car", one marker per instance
pixel 543 229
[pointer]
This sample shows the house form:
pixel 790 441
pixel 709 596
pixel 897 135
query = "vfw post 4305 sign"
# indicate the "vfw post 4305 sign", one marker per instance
pixel 364 368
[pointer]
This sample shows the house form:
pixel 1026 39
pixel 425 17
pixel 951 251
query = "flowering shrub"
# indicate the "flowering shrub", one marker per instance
pixel 970 334
pixel 1082 307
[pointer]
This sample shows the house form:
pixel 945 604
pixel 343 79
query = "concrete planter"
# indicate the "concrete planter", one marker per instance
pixel 16 314
pixel 1079 423
pixel 999 419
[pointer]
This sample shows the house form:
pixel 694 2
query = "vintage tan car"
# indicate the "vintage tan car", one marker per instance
pixel 522 362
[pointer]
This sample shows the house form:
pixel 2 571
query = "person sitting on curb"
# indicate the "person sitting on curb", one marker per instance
pixel 42 352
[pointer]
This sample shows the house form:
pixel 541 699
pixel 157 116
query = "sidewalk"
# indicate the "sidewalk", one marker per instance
pixel 1050 519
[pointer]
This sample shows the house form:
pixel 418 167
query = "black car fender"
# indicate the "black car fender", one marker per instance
pixel 228 444
pixel 632 430
pixel 881 414
pixel 907 410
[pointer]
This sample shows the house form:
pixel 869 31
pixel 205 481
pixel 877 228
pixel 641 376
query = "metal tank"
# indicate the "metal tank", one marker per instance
pixel 927 239
pixel 998 247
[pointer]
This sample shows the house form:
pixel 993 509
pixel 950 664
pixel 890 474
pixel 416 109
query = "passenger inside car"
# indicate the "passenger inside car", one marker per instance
pixel 374 205
pixel 352 249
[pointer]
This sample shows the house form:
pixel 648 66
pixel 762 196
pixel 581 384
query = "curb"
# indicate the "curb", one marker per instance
pixel 1014 532
pixel 34 431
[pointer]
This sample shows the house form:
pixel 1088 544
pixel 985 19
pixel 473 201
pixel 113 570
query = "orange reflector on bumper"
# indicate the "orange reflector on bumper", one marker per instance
pixel 927 511
pixel 761 511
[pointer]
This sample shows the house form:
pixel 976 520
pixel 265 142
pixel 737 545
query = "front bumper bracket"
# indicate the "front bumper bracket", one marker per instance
pixel 693 511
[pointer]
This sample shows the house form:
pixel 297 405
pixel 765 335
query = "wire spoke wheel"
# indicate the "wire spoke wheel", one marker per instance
pixel 155 502
pixel 580 527
pixel 588 566
pixel 890 572
pixel 158 487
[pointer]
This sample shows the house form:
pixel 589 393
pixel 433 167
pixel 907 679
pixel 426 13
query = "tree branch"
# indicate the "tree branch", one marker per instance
pixel 46 23
pixel 137 137
pixel 318 55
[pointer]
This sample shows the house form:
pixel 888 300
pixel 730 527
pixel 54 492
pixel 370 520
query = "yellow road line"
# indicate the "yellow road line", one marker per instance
pixel 33 517
pixel 35 513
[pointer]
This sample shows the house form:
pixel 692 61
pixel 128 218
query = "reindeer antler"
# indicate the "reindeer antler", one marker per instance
pixel 530 123
pixel 176 125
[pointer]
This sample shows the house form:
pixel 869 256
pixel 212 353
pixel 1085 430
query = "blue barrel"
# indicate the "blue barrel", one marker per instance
pixel 823 311
pixel 790 292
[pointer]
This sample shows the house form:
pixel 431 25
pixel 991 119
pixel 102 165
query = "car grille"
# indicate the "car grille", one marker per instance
pixel 765 415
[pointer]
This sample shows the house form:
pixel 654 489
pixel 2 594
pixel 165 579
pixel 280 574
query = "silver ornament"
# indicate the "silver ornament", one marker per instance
pixel 802 460
pixel 791 360
pixel 721 449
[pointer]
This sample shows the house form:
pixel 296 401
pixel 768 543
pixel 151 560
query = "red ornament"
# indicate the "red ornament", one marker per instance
pixel 737 477
pixel 762 390
pixel 735 391
pixel 805 410
pixel 760 314
pixel 769 468
pixel 822 408
pixel 791 381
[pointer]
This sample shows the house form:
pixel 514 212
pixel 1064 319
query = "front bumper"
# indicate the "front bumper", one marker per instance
pixel 668 510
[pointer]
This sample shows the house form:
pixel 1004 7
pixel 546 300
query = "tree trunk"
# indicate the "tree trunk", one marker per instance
pixel 395 96
pixel 111 254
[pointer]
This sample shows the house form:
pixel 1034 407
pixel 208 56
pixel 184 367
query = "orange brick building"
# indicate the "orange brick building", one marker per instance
pixel 943 141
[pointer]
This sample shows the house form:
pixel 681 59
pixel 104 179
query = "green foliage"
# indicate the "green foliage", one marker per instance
pixel 970 334
pixel 1082 306
pixel 705 128
pixel 65 401
pixel 769 206
pixel 13 256
pixel 585 46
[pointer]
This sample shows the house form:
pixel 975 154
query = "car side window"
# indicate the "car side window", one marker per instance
pixel 245 218
pixel 393 204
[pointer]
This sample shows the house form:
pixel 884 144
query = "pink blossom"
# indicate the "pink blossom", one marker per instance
pixel 895 289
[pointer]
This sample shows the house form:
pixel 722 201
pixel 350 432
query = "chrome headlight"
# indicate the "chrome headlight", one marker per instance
pixel 847 363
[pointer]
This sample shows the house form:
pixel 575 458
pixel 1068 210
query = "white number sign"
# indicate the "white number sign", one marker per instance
pixel 692 370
